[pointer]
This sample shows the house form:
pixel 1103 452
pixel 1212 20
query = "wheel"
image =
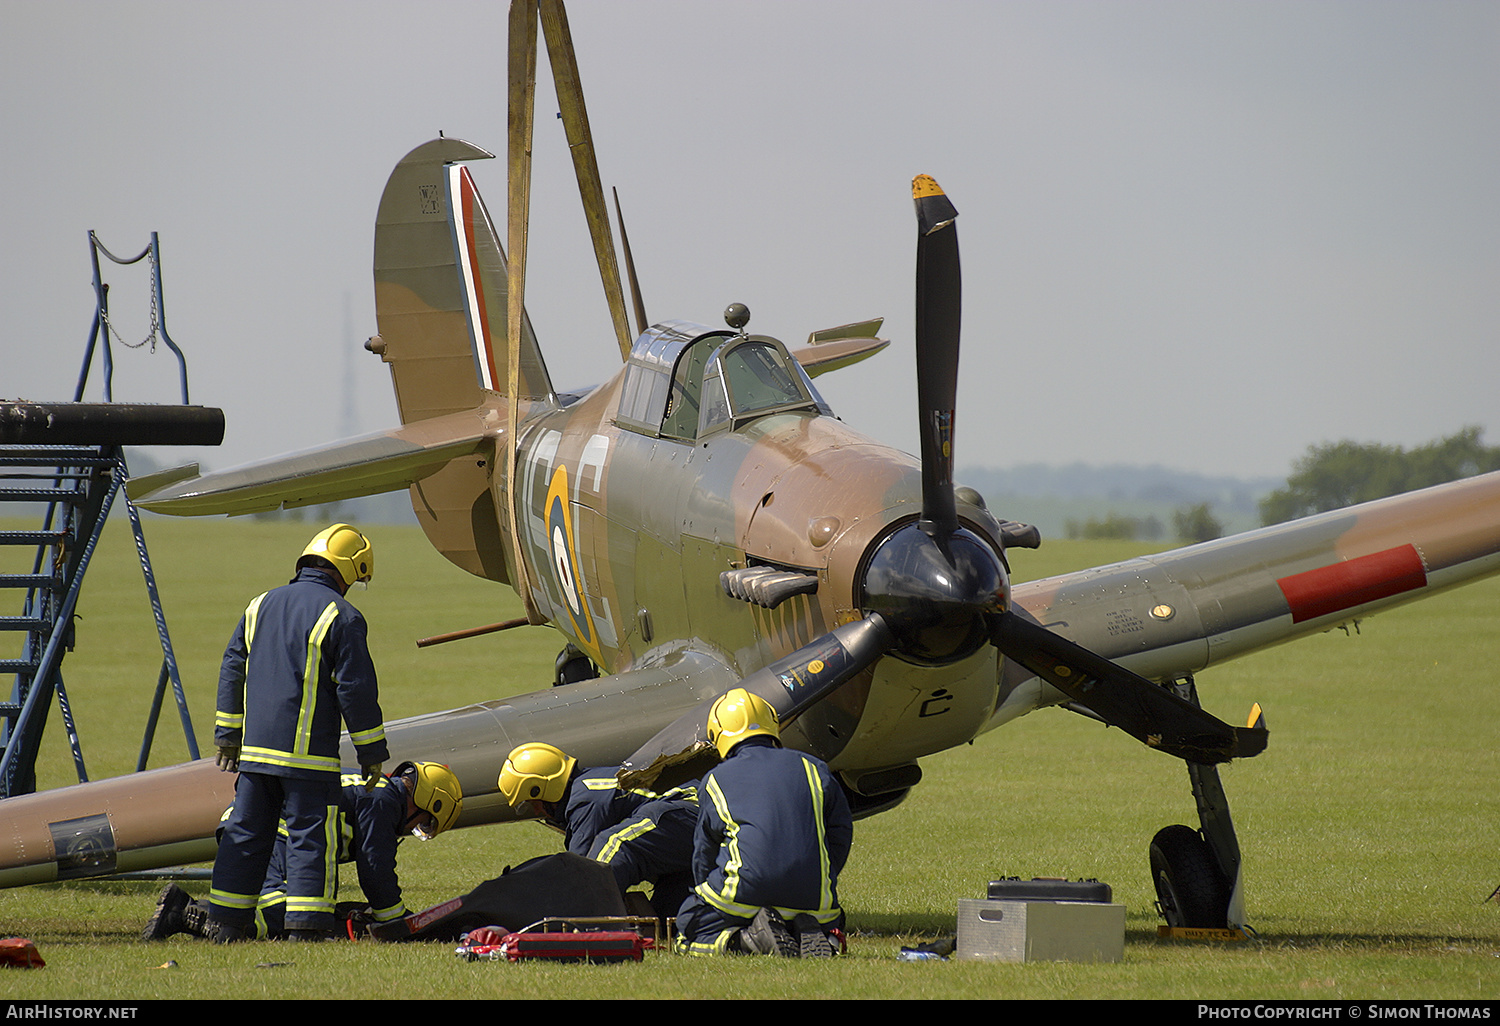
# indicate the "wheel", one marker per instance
pixel 1190 890
pixel 572 666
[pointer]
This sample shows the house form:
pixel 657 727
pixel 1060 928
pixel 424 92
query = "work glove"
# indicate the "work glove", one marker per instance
pixel 229 758
pixel 372 775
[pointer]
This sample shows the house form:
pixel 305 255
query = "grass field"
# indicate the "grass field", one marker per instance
pixel 1370 826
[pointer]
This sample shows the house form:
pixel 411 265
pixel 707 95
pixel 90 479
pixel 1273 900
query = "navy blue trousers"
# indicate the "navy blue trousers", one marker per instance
pixel 262 804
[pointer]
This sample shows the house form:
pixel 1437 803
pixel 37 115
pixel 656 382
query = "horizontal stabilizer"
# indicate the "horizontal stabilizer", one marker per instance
pixel 857 329
pixel 836 353
pixel 381 462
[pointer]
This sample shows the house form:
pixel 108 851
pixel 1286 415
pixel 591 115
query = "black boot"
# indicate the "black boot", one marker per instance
pixel 767 934
pixel 195 920
pixel 812 942
pixel 226 933
pixel 168 917
pixel 310 936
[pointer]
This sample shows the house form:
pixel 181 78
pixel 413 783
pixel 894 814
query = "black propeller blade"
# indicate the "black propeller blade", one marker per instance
pixel 1147 712
pixel 939 305
pixel 791 684
pixel 928 623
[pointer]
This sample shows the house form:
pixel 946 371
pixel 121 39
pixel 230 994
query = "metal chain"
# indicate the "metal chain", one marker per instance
pixel 155 316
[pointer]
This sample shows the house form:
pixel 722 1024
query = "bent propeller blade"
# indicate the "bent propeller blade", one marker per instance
pixel 1147 712
pixel 790 685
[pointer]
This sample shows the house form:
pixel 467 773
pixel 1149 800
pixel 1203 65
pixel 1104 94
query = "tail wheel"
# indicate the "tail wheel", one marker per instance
pixel 1190 889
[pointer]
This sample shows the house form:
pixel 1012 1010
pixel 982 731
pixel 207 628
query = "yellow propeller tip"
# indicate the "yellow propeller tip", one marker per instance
pixel 925 185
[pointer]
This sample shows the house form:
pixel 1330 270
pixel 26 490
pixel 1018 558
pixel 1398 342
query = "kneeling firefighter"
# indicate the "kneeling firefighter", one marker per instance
pixel 773 835
pixel 421 799
pixel 643 836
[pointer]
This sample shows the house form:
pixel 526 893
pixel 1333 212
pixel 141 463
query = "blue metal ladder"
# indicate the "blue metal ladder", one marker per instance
pixel 51 462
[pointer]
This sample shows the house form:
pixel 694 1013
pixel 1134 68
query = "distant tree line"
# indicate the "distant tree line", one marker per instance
pixel 1194 523
pixel 1337 474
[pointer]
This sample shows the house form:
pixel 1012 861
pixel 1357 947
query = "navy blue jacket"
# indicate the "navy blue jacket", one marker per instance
pixel 774 831
pixel 299 662
pixel 595 803
pixel 371 825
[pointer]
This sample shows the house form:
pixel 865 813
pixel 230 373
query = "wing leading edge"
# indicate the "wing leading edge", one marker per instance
pixel 367 465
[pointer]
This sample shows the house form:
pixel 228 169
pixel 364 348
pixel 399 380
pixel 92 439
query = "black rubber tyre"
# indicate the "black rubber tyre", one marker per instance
pixel 1190 890
pixel 572 666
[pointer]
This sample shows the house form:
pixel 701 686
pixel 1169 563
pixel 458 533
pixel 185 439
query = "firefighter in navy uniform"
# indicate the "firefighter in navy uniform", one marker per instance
pixel 422 799
pixel 297 664
pixel 773 834
pixel 643 836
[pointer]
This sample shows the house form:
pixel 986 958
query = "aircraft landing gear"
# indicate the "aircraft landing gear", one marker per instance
pixel 1190 890
pixel 572 666
pixel 1197 872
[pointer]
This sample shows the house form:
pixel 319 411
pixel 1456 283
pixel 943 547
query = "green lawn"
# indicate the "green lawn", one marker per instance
pixel 1370 826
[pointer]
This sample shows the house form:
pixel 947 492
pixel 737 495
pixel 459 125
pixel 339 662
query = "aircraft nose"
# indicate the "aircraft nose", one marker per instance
pixel 935 593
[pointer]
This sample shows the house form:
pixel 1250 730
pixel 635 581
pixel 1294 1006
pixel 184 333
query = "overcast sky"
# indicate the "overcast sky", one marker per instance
pixel 1201 234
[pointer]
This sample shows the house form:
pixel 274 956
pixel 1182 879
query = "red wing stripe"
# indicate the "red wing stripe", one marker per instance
pixel 1353 582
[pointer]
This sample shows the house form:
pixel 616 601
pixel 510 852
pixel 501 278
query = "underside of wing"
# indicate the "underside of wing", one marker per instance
pixel 368 465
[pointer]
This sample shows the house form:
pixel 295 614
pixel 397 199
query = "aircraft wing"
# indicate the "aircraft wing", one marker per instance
pixel 367 465
pixel 167 816
pixel 1174 613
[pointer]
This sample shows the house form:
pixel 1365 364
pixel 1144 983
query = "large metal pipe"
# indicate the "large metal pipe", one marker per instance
pixel 29 423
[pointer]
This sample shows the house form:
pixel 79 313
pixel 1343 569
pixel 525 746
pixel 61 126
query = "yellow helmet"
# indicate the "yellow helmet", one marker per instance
pixel 346 549
pixel 436 791
pixel 738 715
pixel 536 772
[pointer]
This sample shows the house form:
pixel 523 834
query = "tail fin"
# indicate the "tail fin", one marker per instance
pixel 440 303
pixel 440 288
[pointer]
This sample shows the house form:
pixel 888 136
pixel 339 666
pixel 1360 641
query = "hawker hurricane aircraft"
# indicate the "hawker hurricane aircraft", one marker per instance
pixel 702 520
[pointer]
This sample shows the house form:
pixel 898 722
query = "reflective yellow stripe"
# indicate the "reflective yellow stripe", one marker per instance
pixel 236 720
pixel 330 856
pixel 385 915
pixel 303 740
pixel 627 832
pixel 815 785
pixel 367 737
pixel 718 946
pixel 724 900
pixel 252 611
pixel 229 899
pixel 291 760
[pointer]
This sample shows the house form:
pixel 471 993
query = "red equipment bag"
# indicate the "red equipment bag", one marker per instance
pixel 20 952
pixel 582 946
